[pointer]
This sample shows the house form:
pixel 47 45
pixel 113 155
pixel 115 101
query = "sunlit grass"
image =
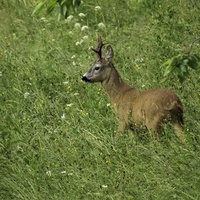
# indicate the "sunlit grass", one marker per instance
pixel 57 133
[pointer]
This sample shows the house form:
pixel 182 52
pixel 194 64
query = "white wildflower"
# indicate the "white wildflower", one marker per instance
pixel 73 63
pixel 48 173
pixel 97 8
pixel 101 25
pixel 65 82
pixel 19 148
pixel 77 26
pixel 79 42
pixel 85 37
pixel 74 56
pixel 108 104
pixel 70 174
pixel 81 15
pixel 63 116
pixel 143 86
pixel 76 94
pixel 84 28
pixel 0 73
pixel 26 94
pixel 63 172
pixel 43 19
pixel 69 18
pixel 104 186
pixel 141 60
pixel 69 105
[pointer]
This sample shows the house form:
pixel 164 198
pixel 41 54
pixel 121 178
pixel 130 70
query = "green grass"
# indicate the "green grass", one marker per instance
pixel 56 132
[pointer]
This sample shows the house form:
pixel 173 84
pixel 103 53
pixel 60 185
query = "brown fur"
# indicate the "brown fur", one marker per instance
pixel 149 108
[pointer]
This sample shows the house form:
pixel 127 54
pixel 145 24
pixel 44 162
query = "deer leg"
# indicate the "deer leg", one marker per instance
pixel 155 135
pixel 155 128
pixel 178 127
pixel 122 126
pixel 121 129
pixel 178 122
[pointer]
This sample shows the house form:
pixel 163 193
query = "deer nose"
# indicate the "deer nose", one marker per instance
pixel 84 78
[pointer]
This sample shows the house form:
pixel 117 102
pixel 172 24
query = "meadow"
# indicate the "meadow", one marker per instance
pixel 57 132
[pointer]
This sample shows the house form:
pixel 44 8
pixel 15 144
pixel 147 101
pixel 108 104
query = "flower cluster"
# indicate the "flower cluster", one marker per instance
pixel 80 26
pixel 78 22
pixel 49 173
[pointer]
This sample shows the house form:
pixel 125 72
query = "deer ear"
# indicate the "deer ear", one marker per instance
pixel 109 53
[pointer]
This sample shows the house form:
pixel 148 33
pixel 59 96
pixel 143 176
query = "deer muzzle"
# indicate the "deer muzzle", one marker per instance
pixel 84 78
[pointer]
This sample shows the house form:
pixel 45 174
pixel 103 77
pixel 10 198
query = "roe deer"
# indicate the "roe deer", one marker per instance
pixel 150 108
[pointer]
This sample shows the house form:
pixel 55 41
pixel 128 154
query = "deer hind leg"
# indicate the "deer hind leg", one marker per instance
pixel 121 128
pixel 155 128
pixel 178 128
pixel 177 121
pixel 179 132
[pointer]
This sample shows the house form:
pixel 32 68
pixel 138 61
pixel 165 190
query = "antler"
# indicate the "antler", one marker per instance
pixel 98 50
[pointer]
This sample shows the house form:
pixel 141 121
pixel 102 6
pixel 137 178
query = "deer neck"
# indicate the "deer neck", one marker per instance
pixel 114 85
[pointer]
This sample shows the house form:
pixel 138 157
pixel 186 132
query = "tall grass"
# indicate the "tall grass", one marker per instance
pixel 56 132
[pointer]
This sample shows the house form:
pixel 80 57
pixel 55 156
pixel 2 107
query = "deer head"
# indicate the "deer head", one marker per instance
pixel 101 68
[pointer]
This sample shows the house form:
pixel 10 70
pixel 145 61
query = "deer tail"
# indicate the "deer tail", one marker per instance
pixel 176 110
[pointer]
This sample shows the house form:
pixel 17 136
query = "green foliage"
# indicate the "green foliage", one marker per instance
pixel 180 65
pixel 56 132
pixel 64 7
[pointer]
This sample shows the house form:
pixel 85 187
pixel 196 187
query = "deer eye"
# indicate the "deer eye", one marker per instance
pixel 96 68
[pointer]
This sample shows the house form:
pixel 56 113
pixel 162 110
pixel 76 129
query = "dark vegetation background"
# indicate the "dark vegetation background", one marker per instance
pixel 56 132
